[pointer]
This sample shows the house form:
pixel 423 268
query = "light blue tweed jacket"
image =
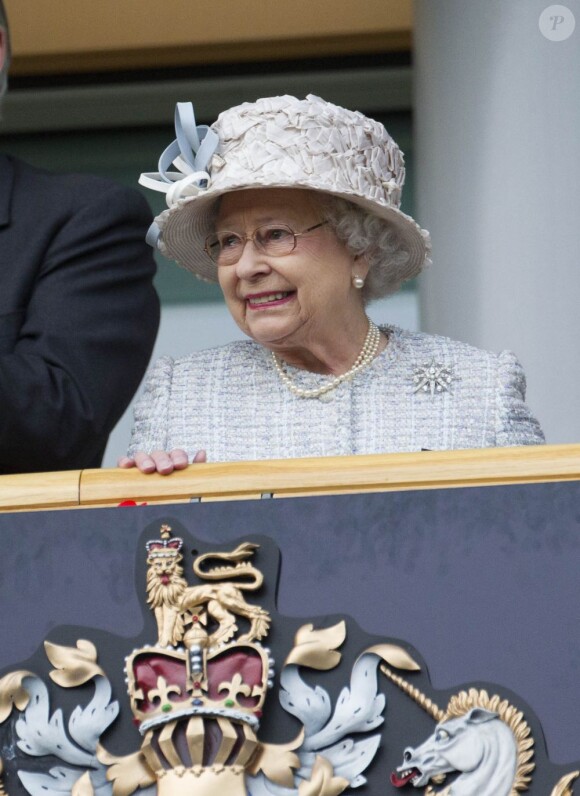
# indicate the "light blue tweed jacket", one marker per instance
pixel 231 402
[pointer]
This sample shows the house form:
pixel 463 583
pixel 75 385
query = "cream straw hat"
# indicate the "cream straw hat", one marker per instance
pixel 278 142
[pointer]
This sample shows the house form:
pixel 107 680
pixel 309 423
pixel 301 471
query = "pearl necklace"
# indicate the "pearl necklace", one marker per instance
pixel 367 354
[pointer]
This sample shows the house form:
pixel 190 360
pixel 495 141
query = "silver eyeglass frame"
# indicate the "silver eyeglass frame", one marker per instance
pixel 252 237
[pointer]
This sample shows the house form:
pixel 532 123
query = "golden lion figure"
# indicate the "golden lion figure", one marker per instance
pixel 176 605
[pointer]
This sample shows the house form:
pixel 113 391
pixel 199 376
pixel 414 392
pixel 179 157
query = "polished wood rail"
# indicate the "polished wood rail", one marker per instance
pixel 292 477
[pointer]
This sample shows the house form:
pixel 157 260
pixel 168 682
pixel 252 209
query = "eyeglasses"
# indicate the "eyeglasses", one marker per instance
pixel 274 240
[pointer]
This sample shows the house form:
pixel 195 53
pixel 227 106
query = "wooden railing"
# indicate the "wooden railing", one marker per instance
pixel 292 477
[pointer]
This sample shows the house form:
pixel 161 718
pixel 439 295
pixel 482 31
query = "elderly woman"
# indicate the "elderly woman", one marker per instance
pixel 293 207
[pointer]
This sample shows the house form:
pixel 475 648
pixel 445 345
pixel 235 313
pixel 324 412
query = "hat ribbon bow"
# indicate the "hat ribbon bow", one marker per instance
pixel 190 153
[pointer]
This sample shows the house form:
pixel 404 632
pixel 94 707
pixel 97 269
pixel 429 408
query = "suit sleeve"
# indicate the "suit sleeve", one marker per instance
pixel 515 424
pixel 86 337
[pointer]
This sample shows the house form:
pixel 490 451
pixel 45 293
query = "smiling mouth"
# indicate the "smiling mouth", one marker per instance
pixel 269 298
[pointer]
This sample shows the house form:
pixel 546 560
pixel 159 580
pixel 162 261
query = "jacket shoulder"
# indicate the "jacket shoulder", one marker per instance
pixel 425 346
pixel 36 186
pixel 489 386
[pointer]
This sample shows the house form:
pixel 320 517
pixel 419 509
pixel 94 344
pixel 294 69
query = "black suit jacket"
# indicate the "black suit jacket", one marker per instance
pixel 78 314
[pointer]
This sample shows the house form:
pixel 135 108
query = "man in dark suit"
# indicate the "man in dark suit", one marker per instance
pixel 78 312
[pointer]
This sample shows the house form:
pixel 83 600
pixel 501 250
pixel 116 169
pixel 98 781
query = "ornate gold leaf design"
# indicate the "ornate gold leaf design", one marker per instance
pixel 83 786
pixel 74 666
pixel 277 761
pixel 316 648
pixel 12 693
pixel 395 656
pixel 127 773
pixel 418 696
pixel 562 788
pixel 461 703
pixel 321 782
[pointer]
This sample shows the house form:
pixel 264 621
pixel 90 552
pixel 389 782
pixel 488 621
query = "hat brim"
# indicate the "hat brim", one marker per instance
pixel 185 227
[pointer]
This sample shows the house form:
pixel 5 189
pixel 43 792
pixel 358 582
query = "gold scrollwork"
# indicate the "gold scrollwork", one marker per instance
pixel 277 761
pixel 12 693
pixel 316 649
pixel 395 656
pixel 74 666
pixel 564 786
pixel 322 782
pixel 128 773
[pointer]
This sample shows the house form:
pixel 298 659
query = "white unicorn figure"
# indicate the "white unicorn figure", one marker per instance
pixel 486 739
pixel 477 744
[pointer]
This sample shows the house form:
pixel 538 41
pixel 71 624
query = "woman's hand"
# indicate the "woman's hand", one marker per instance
pixel 163 462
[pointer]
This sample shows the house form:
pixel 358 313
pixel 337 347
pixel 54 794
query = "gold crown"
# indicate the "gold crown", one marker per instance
pixel 231 681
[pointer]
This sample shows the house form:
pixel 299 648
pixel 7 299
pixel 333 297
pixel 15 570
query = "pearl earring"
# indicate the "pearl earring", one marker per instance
pixel 358 282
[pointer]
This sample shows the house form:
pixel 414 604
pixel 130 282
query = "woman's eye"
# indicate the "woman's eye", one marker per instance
pixel 229 241
pixel 275 235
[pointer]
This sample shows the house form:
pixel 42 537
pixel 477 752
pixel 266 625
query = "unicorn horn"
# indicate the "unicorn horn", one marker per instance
pixel 428 706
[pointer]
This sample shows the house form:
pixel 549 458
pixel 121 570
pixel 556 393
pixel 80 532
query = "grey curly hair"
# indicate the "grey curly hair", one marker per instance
pixel 374 238
pixel 6 64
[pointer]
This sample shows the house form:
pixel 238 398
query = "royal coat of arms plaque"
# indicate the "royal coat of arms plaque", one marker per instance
pixel 209 688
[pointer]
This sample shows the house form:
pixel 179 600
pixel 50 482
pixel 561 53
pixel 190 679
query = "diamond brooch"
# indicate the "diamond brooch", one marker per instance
pixel 433 377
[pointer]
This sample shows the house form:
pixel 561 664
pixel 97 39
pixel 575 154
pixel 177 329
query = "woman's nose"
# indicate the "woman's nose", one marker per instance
pixel 251 262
